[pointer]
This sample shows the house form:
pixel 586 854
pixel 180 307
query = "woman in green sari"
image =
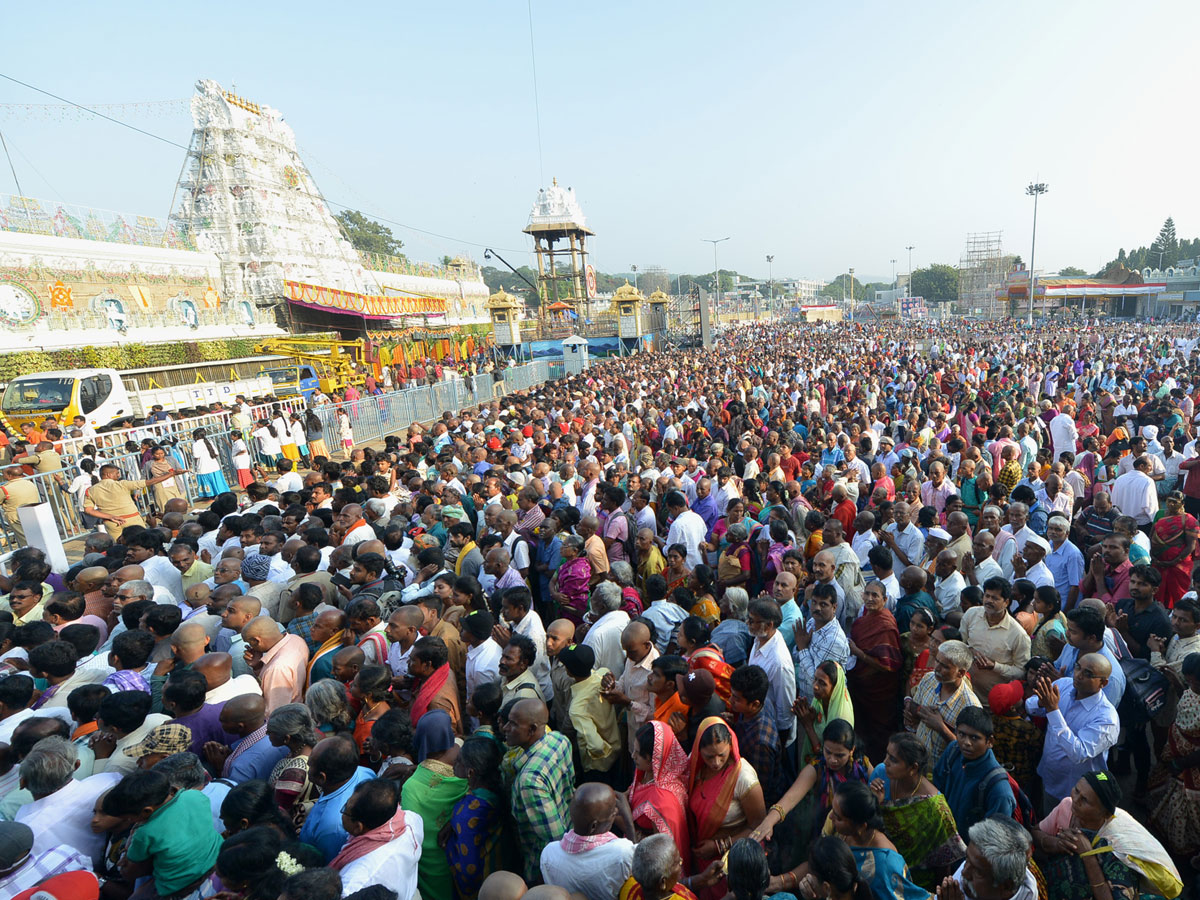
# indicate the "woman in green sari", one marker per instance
pixel 831 700
pixel 916 816
pixel 431 792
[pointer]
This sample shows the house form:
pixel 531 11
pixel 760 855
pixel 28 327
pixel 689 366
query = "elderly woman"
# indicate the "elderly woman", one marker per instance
pixel 292 726
pixel 621 574
pixel 876 680
pixel 1131 862
pixel 331 713
pixel 735 565
pixel 569 585
pixel 732 634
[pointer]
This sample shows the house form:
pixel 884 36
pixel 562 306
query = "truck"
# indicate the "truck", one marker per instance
pixel 322 363
pixel 104 398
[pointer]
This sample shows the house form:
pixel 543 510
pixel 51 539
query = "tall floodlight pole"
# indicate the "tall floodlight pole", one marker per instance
pixel 705 324
pixel 893 274
pixel 1034 190
pixel 908 287
pixel 770 284
pixel 633 269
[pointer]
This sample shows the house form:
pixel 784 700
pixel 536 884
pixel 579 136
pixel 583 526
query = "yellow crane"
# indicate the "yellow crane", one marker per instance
pixel 320 361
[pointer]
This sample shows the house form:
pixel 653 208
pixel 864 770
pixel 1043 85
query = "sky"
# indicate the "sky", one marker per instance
pixel 829 135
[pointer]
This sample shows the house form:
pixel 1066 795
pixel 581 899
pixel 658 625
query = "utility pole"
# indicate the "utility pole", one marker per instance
pixel 893 274
pixel 705 324
pixel 633 268
pixel 1034 190
pixel 908 289
pixel 852 293
pixel 770 285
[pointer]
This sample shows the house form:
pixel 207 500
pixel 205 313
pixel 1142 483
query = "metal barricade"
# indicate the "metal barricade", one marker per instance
pixel 445 396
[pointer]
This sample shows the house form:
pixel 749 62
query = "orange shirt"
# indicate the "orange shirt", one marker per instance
pixel 663 711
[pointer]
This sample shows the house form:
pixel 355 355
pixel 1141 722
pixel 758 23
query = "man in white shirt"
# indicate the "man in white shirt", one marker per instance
pixel 604 635
pixel 483 654
pixel 590 859
pixel 1134 494
pixel 516 608
pixel 979 566
pixel 687 528
pixel 1063 433
pixel 1031 563
pixel 948 582
pixel 903 539
pixel 770 653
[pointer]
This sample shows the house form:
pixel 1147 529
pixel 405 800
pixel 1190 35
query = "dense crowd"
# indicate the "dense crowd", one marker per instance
pixel 830 611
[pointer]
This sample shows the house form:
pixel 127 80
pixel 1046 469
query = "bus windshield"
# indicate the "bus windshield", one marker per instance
pixel 37 393
pixel 283 376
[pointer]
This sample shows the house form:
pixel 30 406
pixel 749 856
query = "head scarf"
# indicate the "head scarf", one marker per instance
pixel 709 800
pixel 661 796
pixel 434 734
pixel 1108 792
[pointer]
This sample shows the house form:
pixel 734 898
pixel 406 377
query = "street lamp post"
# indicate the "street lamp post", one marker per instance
pixel 770 285
pixel 852 293
pixel 1034 190
pixel 908 287
pixel 633 268
pixel 705 325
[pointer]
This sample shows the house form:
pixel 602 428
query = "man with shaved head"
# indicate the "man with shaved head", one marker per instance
pixel 279 660
pixel 631 688
pixel 90 582
pixel 543 783
pixel 1083 725
pixel 252 755
pixel 237 612
pixel 353 525
pixel 595 868
pixel 217 669
pixel 346 664
pixel 329 634
pixel 559 634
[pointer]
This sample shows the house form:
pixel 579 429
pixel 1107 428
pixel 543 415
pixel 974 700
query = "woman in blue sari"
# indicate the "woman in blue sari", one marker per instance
pixel 475 840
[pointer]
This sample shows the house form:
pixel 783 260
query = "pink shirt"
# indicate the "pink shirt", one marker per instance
pixel 284 668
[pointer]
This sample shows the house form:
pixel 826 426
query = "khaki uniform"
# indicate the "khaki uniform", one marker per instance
pixel 45 461
pixel 115 498
pixel 17 493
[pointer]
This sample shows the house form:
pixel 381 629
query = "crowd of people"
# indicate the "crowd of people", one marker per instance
pixel 843 611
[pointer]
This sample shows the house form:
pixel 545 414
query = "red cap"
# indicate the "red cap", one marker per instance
pixel 1005 696
pixel 68 886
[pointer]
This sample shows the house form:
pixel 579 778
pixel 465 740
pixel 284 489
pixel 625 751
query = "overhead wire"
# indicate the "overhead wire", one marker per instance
pixel 188 149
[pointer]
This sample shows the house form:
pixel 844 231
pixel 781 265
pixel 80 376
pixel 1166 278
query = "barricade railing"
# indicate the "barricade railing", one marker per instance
pixel 372 418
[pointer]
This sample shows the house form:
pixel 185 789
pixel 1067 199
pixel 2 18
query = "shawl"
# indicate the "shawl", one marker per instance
pixel 428 691
pixel 1133 845
pixel 661 795
pixel 878 635
pixel 360 845
pixel 713 796
pixel 582 843
pixel 433 734
pixel 330 646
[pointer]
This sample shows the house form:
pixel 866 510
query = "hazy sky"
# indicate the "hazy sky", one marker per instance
pixel 828 134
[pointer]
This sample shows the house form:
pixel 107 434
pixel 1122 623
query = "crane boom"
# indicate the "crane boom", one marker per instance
pixel 334 361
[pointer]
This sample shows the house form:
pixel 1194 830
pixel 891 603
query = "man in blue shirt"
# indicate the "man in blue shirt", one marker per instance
pixel 1086 633
pixel 253 755
pixel 1081 725
pixel 964 772
pixel 1064 560
pixel 333 767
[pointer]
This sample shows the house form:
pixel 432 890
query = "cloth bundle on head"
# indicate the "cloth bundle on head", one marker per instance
pixel 578 660
pixel 434 734
pixel 1006 696
pixel 697 686
pixel 940 534
pixel 165 739
pixel 256 566
pixel 1108 792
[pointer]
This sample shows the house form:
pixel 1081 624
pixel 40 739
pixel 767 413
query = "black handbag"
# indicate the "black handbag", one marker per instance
pixel 1146 689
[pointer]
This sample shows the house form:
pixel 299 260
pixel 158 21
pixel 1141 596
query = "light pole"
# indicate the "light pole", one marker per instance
pixel 852 293
pixel 893 274
pixel 770 284
pixel 705 325
pixel 633 268
pixel 1034 190
pixel 908 287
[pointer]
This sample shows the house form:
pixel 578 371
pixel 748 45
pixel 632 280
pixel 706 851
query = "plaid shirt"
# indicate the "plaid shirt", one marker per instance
pixel 758 742
pixel 302 625
pixel 127 680
pixel 541 797
pixel 42 866
pixel 928 693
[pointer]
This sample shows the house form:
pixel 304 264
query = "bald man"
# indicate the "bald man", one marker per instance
pixel 252 755
pixel 237 612
pixel 1083 725
pixel 559 634
pixel 217 669
pixel 504 885
pixel 90 582
pixel 353 525
pixel 136 573
pixel 279 660
pixel 346 664
pixel 543 785
pixel 598 871
pixel 632 688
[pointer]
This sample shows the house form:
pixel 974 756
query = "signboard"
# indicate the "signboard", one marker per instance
pixel 590 275
pixel 912 308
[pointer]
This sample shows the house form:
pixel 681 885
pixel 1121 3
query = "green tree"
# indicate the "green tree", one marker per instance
pixel 367 235
pixel 938 282
pixel 1072 272
pixel 840 286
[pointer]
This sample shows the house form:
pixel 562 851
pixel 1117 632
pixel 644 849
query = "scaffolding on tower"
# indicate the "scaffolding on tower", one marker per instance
pixel 981 271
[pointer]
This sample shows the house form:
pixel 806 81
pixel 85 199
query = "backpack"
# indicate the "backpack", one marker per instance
pixel 630 542
pixel 1023 813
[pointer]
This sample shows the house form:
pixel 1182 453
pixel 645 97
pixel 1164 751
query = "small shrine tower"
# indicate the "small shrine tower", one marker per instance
pixel 504 309
pixel 559 233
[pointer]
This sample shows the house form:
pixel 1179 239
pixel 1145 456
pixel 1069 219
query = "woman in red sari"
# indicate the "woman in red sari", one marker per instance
pixel 1172 542
pixel 693 637
pixel 724 798
pixel 658 796
pixel 876 680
